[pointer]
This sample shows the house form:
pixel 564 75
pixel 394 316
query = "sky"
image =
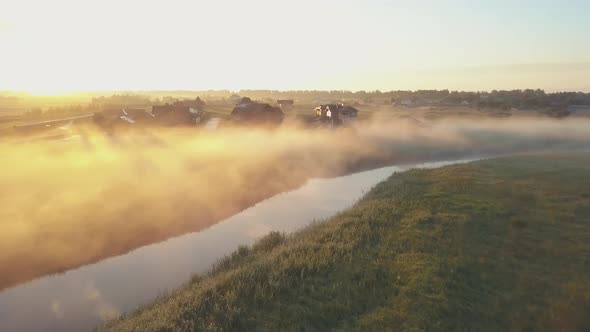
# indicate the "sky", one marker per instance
pixel 74 45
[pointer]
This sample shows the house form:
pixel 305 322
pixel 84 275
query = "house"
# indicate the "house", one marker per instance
pixel 285 104
pixel 248 111
pixel 336 113
pixel 175 114
pixel 348 112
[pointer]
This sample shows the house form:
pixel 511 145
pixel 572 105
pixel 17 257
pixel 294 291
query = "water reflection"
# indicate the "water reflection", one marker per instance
pixel 79 299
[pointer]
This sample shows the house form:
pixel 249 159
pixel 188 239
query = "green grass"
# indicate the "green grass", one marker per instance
pixel 496 245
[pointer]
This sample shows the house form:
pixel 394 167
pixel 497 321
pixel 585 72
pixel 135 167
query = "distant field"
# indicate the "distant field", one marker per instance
pixel 7 122
pixel 496 245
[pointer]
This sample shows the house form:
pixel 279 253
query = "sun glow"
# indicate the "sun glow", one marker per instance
pixel 49 91
pixel 262 44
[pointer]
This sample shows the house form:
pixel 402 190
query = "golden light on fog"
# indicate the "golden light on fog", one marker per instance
pixel 102 195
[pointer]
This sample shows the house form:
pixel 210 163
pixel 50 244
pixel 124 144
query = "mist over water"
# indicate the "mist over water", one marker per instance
pixel 71 202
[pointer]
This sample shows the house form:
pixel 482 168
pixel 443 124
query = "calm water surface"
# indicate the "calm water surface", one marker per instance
pixel 79 299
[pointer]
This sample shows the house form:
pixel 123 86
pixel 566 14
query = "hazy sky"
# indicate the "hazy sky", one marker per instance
pixel 52 46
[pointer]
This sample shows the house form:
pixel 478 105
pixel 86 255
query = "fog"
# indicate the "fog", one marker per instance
pixel 70 202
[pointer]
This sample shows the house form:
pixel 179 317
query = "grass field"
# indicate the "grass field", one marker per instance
pixel 496 245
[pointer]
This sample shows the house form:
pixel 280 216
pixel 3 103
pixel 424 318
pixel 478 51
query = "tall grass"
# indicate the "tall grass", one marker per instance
pixel 496 245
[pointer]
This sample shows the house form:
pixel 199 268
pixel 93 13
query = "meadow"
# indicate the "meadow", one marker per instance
pixel 494 245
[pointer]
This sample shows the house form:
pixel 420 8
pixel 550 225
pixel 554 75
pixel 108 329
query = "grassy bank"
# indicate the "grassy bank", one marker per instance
pixel 494 245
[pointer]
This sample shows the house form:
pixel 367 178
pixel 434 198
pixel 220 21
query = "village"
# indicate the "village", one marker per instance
pixel 196 113
pixel 211 110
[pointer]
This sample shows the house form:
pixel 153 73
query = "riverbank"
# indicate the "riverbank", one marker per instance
pixel 493 245
pixel 85 297
pixel 105 195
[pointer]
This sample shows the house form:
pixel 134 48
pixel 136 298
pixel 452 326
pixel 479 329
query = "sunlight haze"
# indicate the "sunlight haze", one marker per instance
pixel 57 46
pixel 294 165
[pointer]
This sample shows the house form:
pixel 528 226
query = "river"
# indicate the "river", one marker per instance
pixel 79 299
